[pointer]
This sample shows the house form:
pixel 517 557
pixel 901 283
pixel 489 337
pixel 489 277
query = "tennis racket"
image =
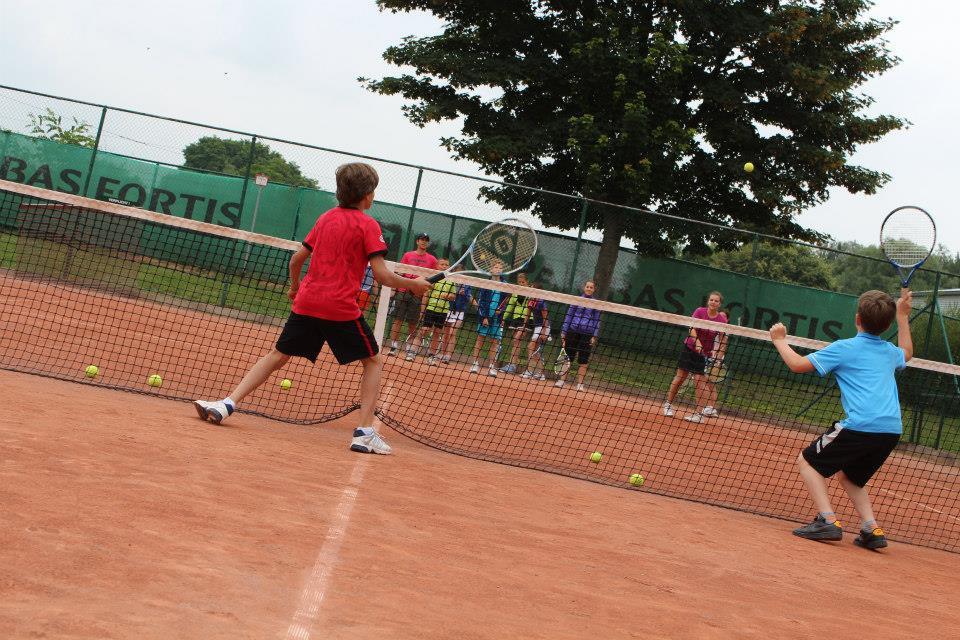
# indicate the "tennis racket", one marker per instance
pixel 907 237
pixel 511 242
pixel 563 364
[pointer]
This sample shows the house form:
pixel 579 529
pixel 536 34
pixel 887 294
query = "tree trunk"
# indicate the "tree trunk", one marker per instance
pixel 613 225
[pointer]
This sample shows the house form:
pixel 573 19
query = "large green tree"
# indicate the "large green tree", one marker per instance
pixel 652 104
pixel 221 155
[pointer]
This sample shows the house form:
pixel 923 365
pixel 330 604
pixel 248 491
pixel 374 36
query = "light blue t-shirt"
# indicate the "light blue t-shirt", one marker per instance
pixel 864 367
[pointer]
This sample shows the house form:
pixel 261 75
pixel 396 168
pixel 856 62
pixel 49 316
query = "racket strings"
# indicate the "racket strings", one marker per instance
pixel 510 246
pixel 908 237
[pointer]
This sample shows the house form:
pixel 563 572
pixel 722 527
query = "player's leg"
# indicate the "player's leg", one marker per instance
pixel 477 345
pixel 300 337
pixel 583 358
pixel 871 451
pixel 821 459
pixel 678 379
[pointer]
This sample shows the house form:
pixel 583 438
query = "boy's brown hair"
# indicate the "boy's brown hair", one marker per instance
pixel 876 310
pixel 354 181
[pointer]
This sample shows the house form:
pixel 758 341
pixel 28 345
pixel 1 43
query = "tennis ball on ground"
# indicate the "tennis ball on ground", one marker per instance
pixel 286 384
pixel 748 167
pixel 155 380
pixel 91 371
pixel 636 479
pixel 595 456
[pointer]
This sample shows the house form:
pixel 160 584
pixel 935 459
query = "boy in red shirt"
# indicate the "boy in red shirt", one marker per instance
pixel 325 309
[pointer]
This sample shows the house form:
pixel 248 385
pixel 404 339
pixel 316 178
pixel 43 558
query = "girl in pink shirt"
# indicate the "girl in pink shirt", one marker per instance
pixel 698 346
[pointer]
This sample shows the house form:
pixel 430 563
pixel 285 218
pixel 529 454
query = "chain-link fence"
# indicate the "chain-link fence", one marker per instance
pixel 207 173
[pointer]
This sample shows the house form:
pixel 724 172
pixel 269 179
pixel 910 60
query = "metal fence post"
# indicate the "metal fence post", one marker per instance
pixel 933 311
pixel 413 211
pixel 576 252
pixel 96 148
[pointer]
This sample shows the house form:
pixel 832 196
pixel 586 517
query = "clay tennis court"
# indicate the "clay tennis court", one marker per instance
pixel 125 516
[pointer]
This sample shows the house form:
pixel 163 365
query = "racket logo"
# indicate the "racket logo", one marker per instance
pixel 504 244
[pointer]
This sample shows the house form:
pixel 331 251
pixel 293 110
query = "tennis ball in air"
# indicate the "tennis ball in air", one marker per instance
pixel 748 167
pixel 155 380
pixel 91 371
pixel 595 456
pixel 636 479
pixel 285 384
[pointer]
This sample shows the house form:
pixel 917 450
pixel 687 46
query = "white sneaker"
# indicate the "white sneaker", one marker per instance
pixel 216 412
pixel 527 374
pixel 667 409
pixel 710 412
pixel 694 417
pixel 540 377
pixel 432 362
pixel 475 368
pixel 493 372
pixel 580 387
pixel 558 383
pixel 445 359
pixel 372 443
pixel 411 356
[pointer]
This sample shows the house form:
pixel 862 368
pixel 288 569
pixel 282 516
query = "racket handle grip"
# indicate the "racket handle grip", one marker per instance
pixel 437 277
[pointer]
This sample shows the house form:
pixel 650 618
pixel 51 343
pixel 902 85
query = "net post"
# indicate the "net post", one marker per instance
pixel 383 307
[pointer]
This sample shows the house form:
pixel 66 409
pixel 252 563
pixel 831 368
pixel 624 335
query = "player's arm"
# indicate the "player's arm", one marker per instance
pixel 297 261
pixel 794 361
pixel 696 340
pixel 418 286
pixel 904 339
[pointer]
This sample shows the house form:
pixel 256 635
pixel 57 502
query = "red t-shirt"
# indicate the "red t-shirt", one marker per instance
pixel 418 260
pixel 706 336
pixel 341 244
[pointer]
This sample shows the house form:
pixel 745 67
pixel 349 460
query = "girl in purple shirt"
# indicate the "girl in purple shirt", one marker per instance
pixel 700 345
pixel 578 336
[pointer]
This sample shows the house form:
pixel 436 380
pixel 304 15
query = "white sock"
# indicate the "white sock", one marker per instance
pixel 367 431
pixel 230 403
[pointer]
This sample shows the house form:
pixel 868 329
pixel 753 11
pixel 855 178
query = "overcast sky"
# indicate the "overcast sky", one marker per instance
pixel 288 69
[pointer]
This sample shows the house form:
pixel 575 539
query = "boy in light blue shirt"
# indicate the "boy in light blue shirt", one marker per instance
pixel 857 446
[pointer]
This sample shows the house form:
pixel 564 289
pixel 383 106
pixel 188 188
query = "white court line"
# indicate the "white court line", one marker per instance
pixel 917 502
pixel 314 590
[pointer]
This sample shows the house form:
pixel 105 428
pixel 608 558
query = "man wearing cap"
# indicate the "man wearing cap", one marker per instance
pixel 406 306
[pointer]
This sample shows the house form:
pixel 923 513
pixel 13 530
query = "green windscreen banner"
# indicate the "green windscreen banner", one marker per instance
pixel 289 212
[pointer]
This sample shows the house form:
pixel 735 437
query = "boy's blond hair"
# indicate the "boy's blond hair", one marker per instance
pixel 354 181
pixel 876 310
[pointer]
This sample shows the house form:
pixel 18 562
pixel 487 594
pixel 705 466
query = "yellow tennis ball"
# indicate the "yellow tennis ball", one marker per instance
pixel 155 380
pixel 285 384
pixel 748 167
pixel 596 456
pixel 91 371
pixel 636 479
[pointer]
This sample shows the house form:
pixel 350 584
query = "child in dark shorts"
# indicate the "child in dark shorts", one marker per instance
pixel 856 447
pixel 325 306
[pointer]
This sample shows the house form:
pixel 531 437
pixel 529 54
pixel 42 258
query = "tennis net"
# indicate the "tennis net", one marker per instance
pixel 139 294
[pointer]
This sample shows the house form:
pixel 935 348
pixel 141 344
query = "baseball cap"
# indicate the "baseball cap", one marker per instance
pixel 422 236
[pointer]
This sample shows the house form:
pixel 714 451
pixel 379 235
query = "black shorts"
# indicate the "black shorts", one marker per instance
pixel 691 361
pixel 513 323
pixel 406 307
pixel 349 340
pixel 578 343
pixel 857 453
pixel 434 319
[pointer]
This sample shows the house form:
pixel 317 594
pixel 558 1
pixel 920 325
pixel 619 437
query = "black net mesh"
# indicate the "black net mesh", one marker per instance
pixel 138 294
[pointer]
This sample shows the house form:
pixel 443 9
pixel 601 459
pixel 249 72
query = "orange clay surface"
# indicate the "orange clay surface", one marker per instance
pixel 125 516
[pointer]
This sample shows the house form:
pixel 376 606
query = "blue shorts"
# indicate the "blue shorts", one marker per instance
pixel 493 330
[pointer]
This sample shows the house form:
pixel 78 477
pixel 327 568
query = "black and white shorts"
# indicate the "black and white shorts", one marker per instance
pixel 349 340
pixel 858 454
